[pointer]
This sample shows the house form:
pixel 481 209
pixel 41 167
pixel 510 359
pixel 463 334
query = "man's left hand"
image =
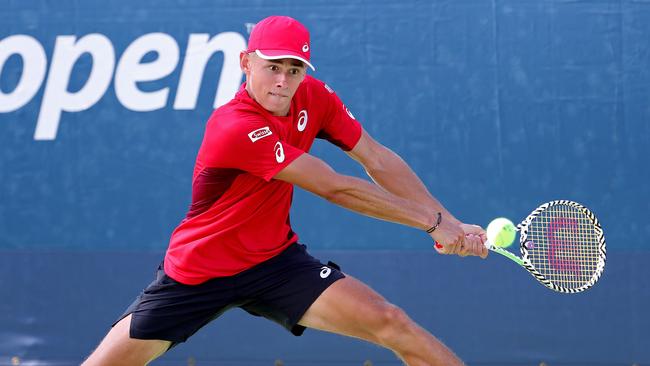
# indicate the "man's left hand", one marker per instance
pixel 475 238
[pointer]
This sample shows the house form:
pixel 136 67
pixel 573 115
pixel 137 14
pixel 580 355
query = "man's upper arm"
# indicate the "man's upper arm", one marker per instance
pixel 338 125
pixel 367 151
pixel 250 145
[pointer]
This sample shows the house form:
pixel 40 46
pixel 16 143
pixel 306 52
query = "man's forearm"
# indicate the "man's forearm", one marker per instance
pixel 395 176
pixel 359 195
pixel 369 199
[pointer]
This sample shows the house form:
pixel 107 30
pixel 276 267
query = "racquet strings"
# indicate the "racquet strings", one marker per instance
pixel 563 246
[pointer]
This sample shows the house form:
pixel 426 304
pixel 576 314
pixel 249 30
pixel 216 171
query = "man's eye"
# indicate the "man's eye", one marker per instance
pixel 273 68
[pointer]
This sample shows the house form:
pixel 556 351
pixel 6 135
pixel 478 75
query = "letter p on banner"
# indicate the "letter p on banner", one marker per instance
pixel 56 97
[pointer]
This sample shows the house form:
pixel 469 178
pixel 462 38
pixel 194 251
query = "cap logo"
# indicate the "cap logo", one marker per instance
pixel 305 48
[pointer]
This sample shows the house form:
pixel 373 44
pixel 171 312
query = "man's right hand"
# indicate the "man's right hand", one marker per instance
pixel 450 236
pixel 470 241
pixel 475 237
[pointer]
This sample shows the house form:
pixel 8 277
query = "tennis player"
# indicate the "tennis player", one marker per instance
pixel 236 247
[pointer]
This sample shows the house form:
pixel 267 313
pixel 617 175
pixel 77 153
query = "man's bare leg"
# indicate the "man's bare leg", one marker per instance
pixel 351 308
pixel 118 348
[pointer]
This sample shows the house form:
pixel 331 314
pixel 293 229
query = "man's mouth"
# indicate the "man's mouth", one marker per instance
pixel 277 95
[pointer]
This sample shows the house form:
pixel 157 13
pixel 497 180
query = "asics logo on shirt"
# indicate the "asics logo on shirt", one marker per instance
pixel 302 120
pixel 279 152
pixel 328 88
pixel 260 133
pixel 348 112
pixel 325 272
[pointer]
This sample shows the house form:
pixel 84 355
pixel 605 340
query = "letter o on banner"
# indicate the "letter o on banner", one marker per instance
pixel 33 72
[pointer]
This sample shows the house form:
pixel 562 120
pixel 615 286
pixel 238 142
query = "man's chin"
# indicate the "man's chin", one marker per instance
pixel 277 110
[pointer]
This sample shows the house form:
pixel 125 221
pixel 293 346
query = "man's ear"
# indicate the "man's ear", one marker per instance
pixel 244 62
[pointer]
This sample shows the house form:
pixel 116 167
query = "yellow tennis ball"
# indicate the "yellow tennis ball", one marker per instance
pixel 501 232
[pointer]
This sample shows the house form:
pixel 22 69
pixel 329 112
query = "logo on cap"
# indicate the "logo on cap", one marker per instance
pixel 278 37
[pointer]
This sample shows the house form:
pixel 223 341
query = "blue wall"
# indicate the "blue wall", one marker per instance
pixel 498 105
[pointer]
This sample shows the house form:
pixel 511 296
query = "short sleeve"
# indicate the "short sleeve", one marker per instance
pixel 248 145
pixel 339 127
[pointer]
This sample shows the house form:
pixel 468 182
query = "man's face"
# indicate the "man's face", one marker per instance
pixel 272 83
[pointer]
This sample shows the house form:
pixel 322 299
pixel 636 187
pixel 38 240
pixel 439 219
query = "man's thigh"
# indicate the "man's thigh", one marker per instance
pixel 283 288
pixel 348 307
pixel 117 348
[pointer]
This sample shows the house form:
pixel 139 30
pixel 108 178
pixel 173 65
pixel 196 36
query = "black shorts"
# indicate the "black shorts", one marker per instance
pixel 280 289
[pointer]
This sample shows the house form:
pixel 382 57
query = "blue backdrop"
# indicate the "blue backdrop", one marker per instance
pixel 497 105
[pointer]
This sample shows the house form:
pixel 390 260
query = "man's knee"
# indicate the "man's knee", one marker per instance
pixel 393 322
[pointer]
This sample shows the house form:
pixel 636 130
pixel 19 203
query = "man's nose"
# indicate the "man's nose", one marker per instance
pixel 281 80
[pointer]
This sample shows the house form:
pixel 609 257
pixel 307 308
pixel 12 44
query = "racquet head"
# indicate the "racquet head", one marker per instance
pixel 563 246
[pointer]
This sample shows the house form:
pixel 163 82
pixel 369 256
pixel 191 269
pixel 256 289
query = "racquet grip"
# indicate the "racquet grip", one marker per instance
pixel 487 245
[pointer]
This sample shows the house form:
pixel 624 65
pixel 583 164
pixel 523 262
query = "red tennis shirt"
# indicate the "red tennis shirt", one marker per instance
pixel 239 216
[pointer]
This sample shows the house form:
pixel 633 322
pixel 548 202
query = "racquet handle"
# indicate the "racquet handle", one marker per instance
pixel 487 245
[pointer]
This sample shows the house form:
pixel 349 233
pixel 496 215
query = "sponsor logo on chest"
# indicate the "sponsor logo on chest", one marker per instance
pixel 303 118
pixel 279 152
pixel 259 133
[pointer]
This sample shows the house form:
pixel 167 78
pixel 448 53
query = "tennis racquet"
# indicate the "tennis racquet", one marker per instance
pixel 562 245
